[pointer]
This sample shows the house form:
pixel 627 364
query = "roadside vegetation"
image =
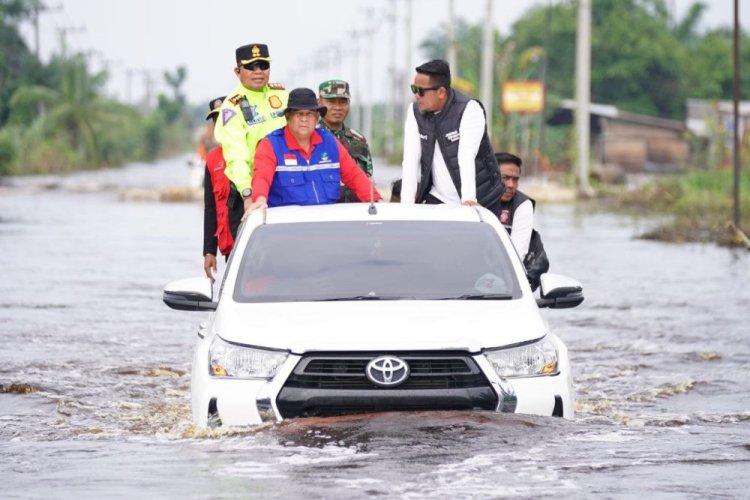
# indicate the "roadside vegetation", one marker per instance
pixel 699 205
pixel 56 117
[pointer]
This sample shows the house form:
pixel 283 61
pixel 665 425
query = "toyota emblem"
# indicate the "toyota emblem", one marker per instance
pixel 387 371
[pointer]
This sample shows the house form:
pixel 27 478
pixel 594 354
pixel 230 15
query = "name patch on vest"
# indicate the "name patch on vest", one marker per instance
pixel 259 119
pixel 505 217
pixel 452 136
pixel 290 159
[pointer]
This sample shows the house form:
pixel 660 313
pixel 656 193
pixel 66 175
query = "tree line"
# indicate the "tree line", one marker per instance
pixel 56 117
pixel 642 60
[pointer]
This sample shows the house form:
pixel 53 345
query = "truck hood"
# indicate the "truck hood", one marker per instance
pixel 381 325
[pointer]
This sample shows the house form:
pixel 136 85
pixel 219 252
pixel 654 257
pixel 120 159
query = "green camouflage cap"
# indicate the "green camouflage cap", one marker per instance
pixel 333 89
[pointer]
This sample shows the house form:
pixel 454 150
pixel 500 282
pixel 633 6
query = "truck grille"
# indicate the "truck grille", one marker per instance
pixel 336 384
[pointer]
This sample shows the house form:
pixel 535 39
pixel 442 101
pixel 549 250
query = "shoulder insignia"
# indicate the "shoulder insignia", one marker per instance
pixel 235 99
pixel 276 86
pixel 356 134
pixel 226 115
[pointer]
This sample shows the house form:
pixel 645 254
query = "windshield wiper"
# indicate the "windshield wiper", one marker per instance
pixel 361 297
pixel 480 296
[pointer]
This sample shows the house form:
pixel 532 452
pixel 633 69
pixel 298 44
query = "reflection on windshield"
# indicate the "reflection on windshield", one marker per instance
pixel 359 260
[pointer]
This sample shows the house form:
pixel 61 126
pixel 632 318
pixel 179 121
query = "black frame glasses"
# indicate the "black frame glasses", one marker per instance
pixel 421 90
pixel 261 65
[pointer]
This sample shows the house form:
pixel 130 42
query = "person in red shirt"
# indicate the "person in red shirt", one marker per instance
pixel 223 207
pixel 301 153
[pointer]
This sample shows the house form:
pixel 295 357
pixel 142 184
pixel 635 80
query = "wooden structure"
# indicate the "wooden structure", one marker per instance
pixel 635 142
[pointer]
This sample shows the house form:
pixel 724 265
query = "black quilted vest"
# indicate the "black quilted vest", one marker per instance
pixel 443 127
pixel 510 208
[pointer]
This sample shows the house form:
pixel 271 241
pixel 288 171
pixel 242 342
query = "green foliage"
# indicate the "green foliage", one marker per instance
pixel 55 118
pixel 17 65
pixel 173 108
pixel 8 153
pixel 642 61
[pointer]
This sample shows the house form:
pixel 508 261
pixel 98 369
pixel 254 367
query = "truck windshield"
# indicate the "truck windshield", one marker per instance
pixel 364 260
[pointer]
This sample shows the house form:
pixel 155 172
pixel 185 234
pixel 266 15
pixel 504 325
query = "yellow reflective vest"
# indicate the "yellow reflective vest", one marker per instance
pixel 239 133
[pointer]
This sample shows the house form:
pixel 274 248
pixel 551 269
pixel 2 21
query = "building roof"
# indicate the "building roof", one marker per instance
pixel 564 116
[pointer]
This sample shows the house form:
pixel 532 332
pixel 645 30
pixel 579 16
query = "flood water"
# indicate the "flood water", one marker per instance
pixel 95 384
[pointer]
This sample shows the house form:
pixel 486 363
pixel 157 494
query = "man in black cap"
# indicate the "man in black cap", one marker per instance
pixel 223 207
pixel 447 153
pixel 252 110
pixel 304 165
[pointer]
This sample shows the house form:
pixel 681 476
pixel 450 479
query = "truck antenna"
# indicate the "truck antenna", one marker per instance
pixel 372 210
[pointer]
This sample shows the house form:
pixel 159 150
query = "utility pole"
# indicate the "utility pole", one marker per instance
pixel 583 94
pixel 735 103
pixel 369 37
pixel 129 85
pixel 356 91
pixel 390 117
pixel 36 9
pixel 487 69
pixel 408 96
pixel 451 55
pixel 148 84
pixel 63 34
pixel 543 78
pixel 335 53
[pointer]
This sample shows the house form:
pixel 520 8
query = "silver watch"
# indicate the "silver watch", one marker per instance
pixel 246 193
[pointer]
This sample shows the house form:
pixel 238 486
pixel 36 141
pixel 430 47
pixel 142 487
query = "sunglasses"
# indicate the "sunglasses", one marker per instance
pixel 421 90
pixel 261 65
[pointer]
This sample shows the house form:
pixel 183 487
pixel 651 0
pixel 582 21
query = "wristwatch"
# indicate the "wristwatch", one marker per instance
pixel 246 193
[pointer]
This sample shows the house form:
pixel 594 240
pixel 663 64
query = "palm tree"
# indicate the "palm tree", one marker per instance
pixel 73 113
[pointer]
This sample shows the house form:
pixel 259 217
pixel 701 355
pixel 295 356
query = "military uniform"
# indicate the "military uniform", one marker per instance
pixel 354 142
pixel 245 117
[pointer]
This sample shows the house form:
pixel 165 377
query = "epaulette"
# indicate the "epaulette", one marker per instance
pixel 276 86
pixel 356 134
pixel 235 99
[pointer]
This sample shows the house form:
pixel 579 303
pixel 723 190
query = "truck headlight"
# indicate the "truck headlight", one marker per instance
pixel 539 358
pixel 236 361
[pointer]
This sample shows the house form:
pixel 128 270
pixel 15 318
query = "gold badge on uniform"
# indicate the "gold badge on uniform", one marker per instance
pixel 255 51
pixel 274 101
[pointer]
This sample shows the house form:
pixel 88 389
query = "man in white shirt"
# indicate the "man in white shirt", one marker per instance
pixel 516 210
pixel 447 153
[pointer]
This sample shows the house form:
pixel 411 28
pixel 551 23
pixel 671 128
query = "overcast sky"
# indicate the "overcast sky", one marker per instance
pixel 309 40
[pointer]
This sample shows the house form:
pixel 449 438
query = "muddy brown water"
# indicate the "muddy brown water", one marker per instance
pixel 95 384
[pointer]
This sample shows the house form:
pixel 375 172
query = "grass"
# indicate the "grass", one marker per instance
pixel 700 202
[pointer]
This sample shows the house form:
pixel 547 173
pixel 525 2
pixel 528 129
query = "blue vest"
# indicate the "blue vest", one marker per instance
pixel 305 182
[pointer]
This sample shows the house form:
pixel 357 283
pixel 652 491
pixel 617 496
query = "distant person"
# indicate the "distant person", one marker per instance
pixel 447 153
pixel 223 206
pixel 206 140
pixel 516 214
pixel 304 165
pixel 252 110
pixel 516 210
pixel 335 95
